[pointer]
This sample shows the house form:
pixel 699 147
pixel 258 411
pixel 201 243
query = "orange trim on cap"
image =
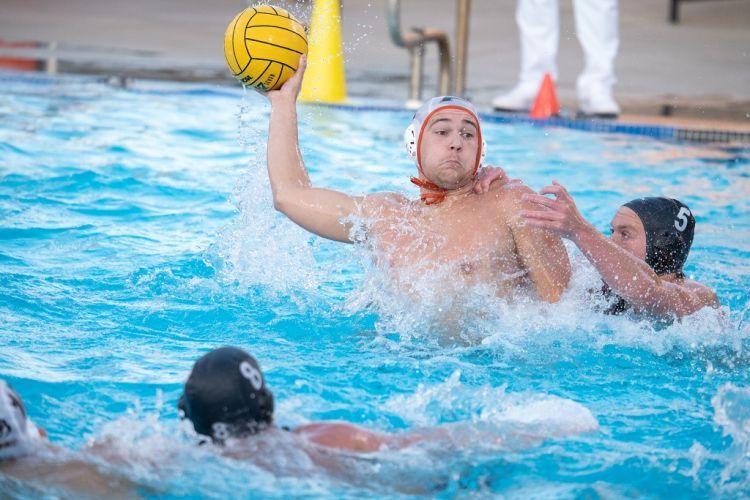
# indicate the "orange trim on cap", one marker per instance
pixel 427 119
pixel 439 192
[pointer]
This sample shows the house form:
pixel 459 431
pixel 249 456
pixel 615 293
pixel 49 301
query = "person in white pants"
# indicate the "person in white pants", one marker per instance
pixel 539 27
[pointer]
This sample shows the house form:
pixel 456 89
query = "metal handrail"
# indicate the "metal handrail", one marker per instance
pixel 462 45
pixel 414 41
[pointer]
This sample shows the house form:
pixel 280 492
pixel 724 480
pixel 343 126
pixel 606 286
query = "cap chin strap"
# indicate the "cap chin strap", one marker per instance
pixel 436 196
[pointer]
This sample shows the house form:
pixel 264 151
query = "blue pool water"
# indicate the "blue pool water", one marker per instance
pixel 137 232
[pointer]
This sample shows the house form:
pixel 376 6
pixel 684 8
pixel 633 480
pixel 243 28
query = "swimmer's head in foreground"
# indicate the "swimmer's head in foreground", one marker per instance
pixel 444 138
pixel 657 230
pixel 18 434
pixel 226 395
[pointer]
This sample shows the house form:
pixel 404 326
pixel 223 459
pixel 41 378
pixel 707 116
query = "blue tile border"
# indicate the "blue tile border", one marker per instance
pixel 586 125
pixel 664 133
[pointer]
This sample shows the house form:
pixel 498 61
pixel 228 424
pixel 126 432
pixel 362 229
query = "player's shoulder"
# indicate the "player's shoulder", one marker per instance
pixel 382 203
pixel 704 294
pixel 508 195
pixel 387 197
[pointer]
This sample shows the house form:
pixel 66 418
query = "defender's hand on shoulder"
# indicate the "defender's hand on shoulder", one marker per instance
pixel 558 214
pixel 489 176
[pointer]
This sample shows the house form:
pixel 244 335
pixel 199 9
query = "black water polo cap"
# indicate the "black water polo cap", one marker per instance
pixel 226 395
pixel 669 226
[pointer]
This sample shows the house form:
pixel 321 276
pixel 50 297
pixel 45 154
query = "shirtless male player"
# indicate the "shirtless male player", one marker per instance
pixel 479 238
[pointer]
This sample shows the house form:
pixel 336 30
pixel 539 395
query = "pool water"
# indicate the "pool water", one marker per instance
pixel 137 232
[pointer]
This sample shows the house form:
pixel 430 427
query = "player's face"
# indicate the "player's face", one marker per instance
pixel 448 148
pixel 628 232
pixel 12 421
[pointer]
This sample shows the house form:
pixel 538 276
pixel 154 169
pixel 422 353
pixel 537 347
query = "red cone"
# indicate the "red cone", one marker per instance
pixel 546 104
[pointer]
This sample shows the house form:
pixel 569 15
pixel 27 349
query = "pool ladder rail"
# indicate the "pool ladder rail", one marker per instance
pixel 415 40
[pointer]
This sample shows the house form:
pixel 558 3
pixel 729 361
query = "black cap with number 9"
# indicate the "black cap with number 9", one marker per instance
pixel 226 395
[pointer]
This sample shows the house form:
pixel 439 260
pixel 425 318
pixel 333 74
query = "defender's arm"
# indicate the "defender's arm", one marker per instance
pixel 634 280
pixel 627 275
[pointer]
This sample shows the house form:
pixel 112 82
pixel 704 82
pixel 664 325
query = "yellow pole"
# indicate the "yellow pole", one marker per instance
pixel 325 80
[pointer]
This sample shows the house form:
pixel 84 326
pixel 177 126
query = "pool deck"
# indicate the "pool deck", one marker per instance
pixel 694 75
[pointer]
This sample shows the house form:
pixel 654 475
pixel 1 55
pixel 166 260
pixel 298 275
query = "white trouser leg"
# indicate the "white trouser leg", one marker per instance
pixel 539 26
pixel 598 32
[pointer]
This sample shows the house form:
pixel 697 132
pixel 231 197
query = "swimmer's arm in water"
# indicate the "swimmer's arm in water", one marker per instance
pixel 318 210
pixel 540 252
pixel 75 476
pixel 350 437
pixel 627 275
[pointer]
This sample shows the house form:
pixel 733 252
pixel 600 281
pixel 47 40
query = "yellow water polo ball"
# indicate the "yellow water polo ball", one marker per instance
pixel 263 45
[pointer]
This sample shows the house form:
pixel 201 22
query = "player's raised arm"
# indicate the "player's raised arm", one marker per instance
pixel 318 210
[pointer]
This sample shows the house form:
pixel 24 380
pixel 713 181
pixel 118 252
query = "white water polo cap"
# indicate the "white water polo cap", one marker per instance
pixel 413 133
pixel 18 434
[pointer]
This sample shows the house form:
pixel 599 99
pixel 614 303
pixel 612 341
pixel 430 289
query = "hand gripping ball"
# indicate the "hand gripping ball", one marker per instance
pixel 262 46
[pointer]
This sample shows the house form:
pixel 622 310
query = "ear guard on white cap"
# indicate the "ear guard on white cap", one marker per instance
pixel 18 434
pixel 411 134
pixel 410 141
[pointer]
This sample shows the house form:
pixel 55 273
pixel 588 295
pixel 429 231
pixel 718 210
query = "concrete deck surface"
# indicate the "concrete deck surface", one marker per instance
pixel 699 68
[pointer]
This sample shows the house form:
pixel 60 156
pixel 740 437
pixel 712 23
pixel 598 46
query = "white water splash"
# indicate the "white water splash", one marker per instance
pixel 732 413
pixel 437 307
pixel 154 451
pixel 261 247
pixel 548 415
